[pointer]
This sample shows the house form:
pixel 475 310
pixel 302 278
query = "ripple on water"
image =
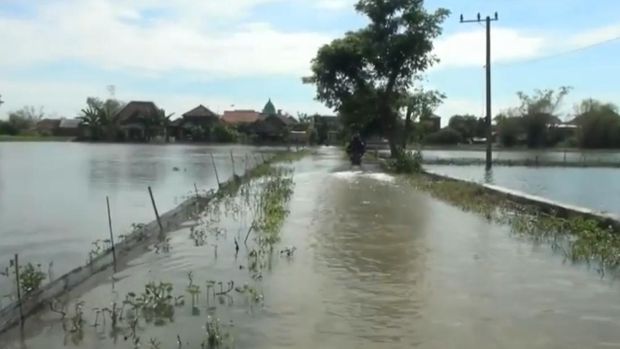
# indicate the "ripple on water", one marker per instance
pixel 377 176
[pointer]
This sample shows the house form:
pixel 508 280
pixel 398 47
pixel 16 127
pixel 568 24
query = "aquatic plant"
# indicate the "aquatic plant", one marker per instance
pixel 216 335
pixel 578 239
pixel 30 278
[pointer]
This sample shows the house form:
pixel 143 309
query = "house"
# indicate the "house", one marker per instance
pixel 69 128
pixel 141 121
pixel 432 123
pixel 271 128
pixel 47 127
pixel 240 117
pixel 299 137
pixel 272 125
pixel 199 117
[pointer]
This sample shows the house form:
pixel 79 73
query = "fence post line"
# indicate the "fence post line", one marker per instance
pixel 107 200
pixel 232 159
pixel 217 177
pixel 19 292
pixel 161 227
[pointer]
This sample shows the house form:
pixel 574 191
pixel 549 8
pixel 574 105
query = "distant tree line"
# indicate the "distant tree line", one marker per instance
pixel 536 122
pixel 22 121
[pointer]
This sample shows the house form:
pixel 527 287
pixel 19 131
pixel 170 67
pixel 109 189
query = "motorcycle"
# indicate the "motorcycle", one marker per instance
pixel 356 159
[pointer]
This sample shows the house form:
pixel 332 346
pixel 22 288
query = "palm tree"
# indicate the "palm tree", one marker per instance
pixel 91 119
pixel 153 126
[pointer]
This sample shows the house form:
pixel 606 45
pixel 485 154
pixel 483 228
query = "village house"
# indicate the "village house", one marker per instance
pixel 200 117
pixel 272 125
pixel 69 128
pixel 141 121
pixel 47 127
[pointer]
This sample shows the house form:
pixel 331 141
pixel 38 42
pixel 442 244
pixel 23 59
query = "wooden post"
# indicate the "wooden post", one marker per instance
pixel 233 162
pixel 196 190
pixel 19 292
pixel 246 162
pixel 217 177
pixel 107 200
pixel 161 227
pixel 565 156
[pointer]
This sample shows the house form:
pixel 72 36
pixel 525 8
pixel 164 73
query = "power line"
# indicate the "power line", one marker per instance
pixel 560 54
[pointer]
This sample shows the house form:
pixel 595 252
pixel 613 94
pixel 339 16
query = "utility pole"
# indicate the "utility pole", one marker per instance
pixel 488 20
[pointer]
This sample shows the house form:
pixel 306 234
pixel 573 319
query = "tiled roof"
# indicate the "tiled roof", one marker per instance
pixel 200 111
pixel 234 117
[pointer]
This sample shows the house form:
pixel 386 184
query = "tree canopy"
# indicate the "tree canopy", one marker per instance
pixel 469 126
pixel 599 123
pixel 365 75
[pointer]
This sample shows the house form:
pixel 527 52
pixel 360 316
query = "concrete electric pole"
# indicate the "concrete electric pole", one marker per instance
pixel 488 20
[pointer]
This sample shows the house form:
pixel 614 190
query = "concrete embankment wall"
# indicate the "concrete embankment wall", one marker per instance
pixel 546 205
pixel 10 315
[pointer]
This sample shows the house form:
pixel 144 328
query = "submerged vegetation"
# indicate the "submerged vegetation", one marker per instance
pixel 256 203
pixel 578 239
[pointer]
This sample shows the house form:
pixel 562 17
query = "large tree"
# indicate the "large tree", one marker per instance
pixel 26 118
pixel 419 105
pixel 538 111
pixel 599 123
pixel 366 74
pixel 469 126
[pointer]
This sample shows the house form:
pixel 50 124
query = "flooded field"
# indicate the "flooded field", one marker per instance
pixel 52 195
pixel 376 264
pixel 594 188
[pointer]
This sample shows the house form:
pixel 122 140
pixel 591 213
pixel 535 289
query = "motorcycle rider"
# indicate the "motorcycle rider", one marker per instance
pixel 356 145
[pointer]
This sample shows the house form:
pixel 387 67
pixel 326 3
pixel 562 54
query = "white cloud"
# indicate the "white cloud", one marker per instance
pixel 98 32
pixel 335 4
pixel 468 48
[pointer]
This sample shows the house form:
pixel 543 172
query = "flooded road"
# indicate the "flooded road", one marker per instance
pixel 378 265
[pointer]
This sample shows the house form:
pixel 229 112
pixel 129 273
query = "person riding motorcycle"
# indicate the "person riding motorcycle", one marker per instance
pixel 356 148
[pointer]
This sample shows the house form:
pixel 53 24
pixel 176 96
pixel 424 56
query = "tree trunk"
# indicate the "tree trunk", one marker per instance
pixel 407 130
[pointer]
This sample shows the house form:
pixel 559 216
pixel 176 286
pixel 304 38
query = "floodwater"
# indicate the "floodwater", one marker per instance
pixel 532 155
pixel 53 195
pixel 378 265
pixel 593 188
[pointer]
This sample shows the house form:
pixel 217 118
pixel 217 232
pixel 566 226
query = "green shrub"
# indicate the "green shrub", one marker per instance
pixel 406 162
pixel 7 128
pixel 445 136
pixel 224 134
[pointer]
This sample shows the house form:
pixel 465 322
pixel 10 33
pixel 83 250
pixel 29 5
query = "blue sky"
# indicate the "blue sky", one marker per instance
pixel 242 52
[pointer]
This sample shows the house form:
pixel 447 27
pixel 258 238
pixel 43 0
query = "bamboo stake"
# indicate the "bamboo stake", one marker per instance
pixel 217 177
pixel 233 162
pixel 161 227
pixel 19 292
pixel 107 200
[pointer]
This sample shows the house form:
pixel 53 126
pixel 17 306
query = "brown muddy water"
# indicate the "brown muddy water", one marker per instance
pixel 377 265
pixel 53 195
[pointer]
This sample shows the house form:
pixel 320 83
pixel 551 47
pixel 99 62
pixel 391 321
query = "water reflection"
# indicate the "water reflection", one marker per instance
pixel 488 176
